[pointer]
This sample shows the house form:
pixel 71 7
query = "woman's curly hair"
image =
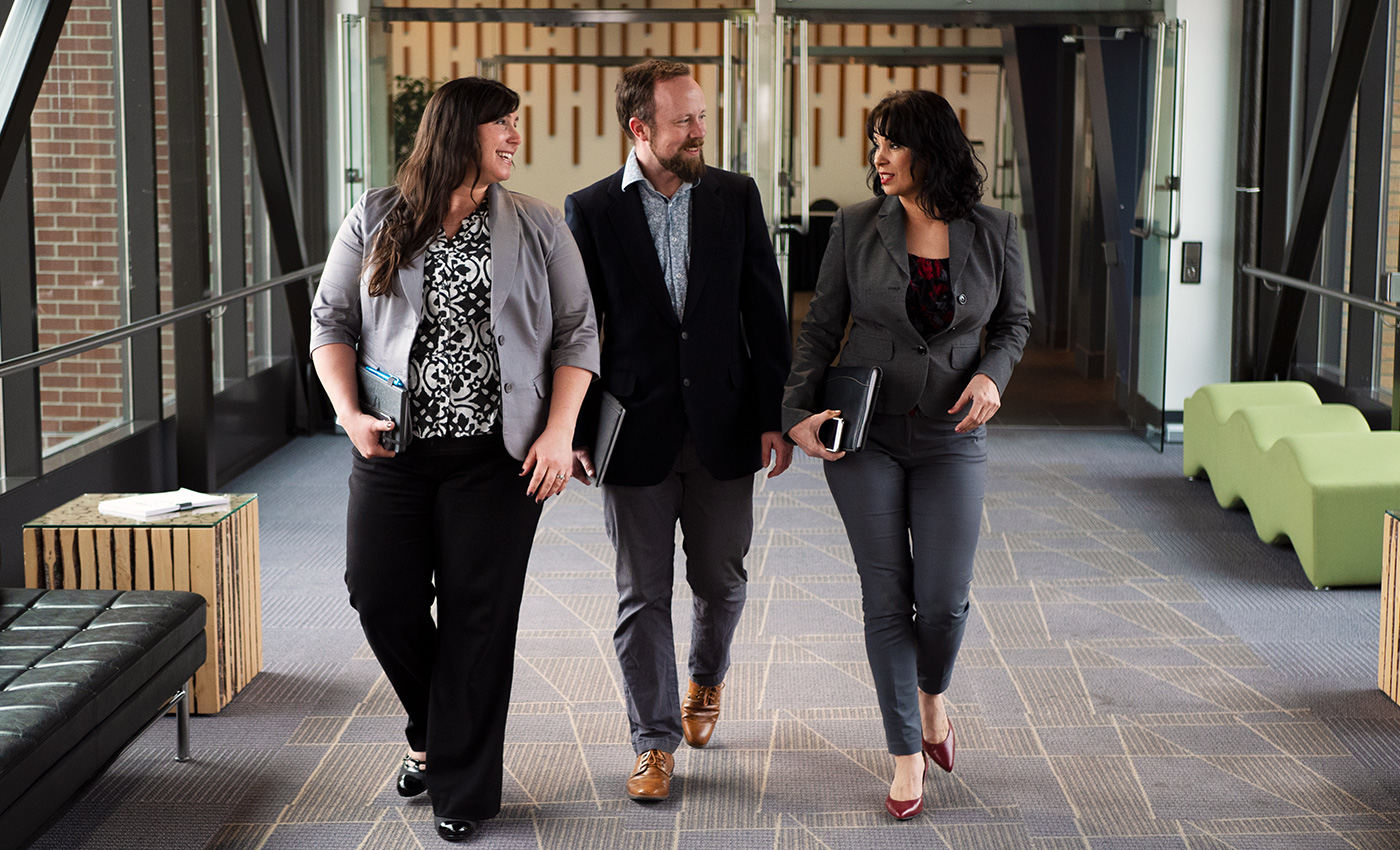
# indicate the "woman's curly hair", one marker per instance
pixel 948 171
pixel 445 150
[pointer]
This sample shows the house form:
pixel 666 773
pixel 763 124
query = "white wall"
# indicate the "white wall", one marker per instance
pixel 1199 315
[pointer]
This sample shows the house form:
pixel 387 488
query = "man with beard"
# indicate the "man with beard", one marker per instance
pixel 696 348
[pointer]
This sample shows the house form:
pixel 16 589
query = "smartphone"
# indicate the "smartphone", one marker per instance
pixel 831 436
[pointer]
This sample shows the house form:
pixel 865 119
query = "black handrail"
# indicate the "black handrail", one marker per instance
pixel 1355 300
pixel 16 365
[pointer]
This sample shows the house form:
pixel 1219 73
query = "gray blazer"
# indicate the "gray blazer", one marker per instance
pixel 541 309
pixel 864 277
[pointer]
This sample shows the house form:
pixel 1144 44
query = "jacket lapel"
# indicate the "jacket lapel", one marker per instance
pixel 629 224
pixel 504 222
pixel 411 282
pixel 706 220
pixel 960 235
pixel 890 224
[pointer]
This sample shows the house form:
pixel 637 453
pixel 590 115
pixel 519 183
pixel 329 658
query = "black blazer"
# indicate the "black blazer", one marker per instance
pixel 718 373
pixel 864 278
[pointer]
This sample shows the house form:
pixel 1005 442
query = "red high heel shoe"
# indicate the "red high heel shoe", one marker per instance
pixel 906 809
pixel 942 753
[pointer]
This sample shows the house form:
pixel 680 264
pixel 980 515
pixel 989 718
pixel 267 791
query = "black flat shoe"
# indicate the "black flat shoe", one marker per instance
pixel 411 782
pixel 456 830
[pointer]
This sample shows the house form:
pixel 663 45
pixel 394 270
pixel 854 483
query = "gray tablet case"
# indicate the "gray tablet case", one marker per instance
pixel 851 390
pixel 610 414
pixel 380 398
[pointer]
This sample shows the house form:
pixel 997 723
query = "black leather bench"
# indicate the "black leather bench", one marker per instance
pixel 82 674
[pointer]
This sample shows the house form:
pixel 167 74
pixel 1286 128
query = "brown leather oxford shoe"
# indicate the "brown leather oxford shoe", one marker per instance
pixel 699 712
pixel 651 777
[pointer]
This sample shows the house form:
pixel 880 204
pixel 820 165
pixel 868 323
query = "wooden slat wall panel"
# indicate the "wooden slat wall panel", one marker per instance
pixel 102 542
pixel 121 544
pixel 68 553
pixel 206 691
pixel 1388 675
pixel 31 559
pixel 141 558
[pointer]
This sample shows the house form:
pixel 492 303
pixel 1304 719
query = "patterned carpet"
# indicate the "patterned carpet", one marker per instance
pixel 1140 672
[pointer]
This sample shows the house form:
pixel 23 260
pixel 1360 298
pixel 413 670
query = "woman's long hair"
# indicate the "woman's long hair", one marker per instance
pixel 445 150
pixel 949 173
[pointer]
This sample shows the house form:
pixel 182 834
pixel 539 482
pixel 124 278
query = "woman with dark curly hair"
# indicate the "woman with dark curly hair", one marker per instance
pixel 921 270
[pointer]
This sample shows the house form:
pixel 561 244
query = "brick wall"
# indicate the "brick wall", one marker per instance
pixel 76 225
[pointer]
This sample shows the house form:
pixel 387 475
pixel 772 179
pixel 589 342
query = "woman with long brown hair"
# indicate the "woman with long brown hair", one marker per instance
pixel 474 300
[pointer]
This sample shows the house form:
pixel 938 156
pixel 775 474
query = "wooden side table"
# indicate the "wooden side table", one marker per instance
pixel 213 553
pixel 1389 676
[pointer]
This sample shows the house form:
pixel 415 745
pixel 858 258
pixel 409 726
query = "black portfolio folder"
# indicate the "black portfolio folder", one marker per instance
pixel 851 390
pixel 610 414
pixel 386 397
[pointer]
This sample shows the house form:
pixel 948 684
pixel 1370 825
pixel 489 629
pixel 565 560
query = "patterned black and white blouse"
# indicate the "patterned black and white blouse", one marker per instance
pixel 454 374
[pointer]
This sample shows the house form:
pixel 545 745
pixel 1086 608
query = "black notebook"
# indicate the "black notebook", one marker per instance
pixel 610 414
pixel 386 397
pixel 851 390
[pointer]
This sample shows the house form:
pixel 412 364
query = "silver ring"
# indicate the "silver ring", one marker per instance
pixel 561 476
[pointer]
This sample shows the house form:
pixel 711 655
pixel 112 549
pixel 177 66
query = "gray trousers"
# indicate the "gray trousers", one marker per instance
pixel 716 520
pixel 912 505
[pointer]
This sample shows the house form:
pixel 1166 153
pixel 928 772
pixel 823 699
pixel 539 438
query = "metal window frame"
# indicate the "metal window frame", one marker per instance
pixel 1329 139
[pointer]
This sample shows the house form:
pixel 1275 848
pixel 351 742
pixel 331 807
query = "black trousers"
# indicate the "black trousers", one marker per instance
pixel 448 519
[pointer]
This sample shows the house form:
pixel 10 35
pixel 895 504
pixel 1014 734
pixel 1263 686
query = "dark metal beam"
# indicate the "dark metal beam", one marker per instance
pixel 1040 78
pixel 1330 137
pixel 226 150
pixel 1368 206
pixel 19 328
pixel 27 43
pixel 189 244
pixel 135 117
pixel 268 152
pixel 1244 336
pixel 1278 170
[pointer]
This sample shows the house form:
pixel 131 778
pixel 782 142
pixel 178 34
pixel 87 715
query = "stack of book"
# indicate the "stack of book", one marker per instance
pixel 155 505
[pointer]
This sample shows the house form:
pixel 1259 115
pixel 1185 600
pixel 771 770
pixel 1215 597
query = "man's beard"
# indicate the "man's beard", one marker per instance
pixel 688 168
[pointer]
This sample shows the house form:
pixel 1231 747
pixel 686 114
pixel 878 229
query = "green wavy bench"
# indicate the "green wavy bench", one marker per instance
pixel 1251 431
pixel 1328 494
pixel 1206 447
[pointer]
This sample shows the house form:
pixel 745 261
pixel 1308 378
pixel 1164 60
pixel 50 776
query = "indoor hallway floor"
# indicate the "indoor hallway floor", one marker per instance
pixel 1139 673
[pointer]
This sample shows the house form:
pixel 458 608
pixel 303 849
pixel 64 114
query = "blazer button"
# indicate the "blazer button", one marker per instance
pixel 508 387
pixel 962 299
pixel 501 340
pixel 922 349
pixel 685 334
pixel 685 382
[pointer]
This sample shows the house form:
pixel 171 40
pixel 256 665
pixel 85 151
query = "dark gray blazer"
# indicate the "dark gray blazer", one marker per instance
pixel 541 309
pixel 864 278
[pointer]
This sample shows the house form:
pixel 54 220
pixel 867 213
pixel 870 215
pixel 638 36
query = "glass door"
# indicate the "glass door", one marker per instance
pixel 1158 225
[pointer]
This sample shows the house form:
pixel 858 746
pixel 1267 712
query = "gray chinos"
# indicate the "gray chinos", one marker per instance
pixel 912 505
pixel 716 519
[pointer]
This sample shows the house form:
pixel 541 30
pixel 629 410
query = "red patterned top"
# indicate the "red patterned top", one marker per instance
pixel 929 299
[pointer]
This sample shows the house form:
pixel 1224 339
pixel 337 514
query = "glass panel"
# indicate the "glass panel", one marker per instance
pixel 77 230
pixel 351 81
pixel 571 137
pixel 1158 191
pixel 1157 226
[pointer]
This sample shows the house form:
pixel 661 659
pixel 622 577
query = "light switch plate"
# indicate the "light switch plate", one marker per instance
pixel 1190 262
